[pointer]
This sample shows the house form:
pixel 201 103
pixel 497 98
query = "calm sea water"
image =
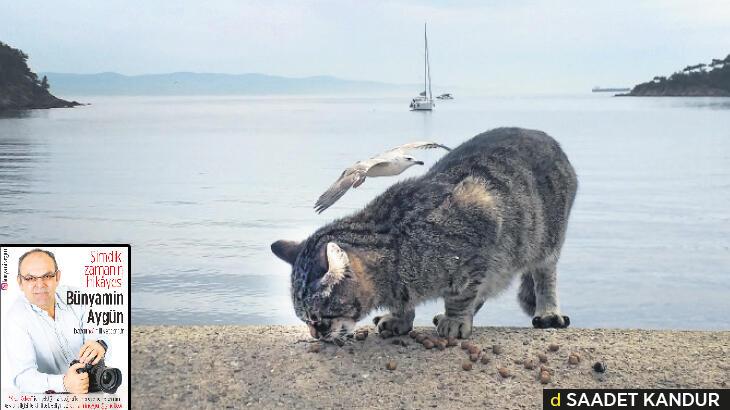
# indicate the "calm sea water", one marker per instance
pixel 200 186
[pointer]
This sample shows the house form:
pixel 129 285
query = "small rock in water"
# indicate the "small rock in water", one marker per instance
pixel 599 367
pixel 553 347
pixel 497 349
pixel 391 365
pixel 504 372
pixel 466 366
pixel 544 377
pixel 542 357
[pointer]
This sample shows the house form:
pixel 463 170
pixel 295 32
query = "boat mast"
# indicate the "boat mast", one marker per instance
pixel 428 66
pixel 425 62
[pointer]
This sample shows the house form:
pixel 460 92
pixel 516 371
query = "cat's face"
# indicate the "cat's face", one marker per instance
pixel 326 292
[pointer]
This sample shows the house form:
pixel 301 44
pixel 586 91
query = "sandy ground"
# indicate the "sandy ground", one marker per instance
pixel 272 367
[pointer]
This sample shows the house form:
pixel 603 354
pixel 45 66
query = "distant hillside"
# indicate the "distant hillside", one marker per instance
pixel 211 84
pixel 700 80
pixel 20 88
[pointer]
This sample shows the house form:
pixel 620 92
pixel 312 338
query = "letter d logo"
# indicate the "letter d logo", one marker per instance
pixel 555 401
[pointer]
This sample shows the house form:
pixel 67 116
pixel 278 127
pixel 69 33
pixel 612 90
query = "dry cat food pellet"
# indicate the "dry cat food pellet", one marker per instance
pixel 599 367
pixel 542 357
pixel 451 341
pixel 504 372
pixel 573 358
pixel 485 359
pixel 530 364
pixel 474 357
pixel 553 347
pixel 466 366
pixel 546 369
pixel 497 349
pixel 428 344
pixel 544 377
pixel 391 365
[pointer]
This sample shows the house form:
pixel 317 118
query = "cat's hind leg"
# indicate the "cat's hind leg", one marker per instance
pixel 547 309
pixel 459 316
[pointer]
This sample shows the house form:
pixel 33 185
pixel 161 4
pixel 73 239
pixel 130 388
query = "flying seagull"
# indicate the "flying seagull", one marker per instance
pixel 391 162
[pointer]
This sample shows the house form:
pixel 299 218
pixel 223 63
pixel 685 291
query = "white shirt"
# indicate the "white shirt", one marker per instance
pixel 40 349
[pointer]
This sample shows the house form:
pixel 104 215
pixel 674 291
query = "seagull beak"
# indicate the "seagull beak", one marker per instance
pixel 419 162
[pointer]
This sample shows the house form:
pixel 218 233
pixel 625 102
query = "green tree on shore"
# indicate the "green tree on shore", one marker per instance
pixel 697 79
pixel 20 87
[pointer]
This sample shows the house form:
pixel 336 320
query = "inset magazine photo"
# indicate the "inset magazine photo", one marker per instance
pixel 65 333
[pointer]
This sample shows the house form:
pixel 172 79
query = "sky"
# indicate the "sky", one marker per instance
pixel 497 47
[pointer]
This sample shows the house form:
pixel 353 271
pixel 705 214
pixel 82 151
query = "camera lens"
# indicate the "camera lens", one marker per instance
pixel 110 380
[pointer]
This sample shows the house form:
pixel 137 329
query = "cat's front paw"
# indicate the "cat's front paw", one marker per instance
pixel 396 325
pixel 551 320
pixel 448 326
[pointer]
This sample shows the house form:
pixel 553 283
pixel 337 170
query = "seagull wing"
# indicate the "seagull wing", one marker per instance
pixel 353 176
pixel 402 149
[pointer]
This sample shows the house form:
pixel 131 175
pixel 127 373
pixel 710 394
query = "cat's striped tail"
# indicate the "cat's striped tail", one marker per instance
pixel 526 295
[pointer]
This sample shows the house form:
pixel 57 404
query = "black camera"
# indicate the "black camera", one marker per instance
pixel 106 379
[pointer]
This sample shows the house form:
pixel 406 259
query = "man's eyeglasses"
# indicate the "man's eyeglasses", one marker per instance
pixel 45 278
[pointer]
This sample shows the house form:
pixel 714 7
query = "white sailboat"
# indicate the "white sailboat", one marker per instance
pixel 424 101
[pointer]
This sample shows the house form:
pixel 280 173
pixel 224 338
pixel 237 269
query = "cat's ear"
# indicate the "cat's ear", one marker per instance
pixel 338 263
pixel 287 250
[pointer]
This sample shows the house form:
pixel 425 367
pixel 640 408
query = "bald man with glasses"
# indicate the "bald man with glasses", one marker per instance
pixel 39 334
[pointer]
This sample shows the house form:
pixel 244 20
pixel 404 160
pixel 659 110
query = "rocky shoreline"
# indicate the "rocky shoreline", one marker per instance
pixel 282 367
pixel 676 92
pixel 25 97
